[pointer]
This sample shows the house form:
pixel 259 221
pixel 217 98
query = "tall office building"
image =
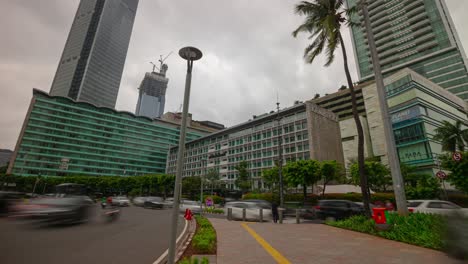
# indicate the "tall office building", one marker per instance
pixel 152 95
pixel 418 34
pixel 93 59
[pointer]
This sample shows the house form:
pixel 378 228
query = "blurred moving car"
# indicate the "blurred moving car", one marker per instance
pixel 120 201
pixel 337 209
pixel 169 203
pixel 194 206
pixel 8 200
pixel 252 210
pixel 58 209
pixel 139 201
pixel 153 202
pixel 436 207
pixel 261 203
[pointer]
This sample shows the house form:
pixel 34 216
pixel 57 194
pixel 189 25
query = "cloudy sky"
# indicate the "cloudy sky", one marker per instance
pixel 249 56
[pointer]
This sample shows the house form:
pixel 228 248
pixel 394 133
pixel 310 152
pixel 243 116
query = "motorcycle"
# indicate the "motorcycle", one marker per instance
pixel 111 214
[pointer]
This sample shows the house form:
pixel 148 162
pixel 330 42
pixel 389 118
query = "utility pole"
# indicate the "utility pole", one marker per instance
pixel 393 160
pixel 280 156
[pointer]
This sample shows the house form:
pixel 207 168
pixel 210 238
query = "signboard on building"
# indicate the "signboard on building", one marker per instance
pixel 406 114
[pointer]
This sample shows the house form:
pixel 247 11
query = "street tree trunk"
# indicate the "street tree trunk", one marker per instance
pixel 360 132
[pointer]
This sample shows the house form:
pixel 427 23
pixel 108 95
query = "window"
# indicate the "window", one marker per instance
pixel 437 205
pixel 449 206
pixel 414 204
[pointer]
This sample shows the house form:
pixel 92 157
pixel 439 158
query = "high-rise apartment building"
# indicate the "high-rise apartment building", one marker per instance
pixel 152 95
pixel 418 34
pixel 93 59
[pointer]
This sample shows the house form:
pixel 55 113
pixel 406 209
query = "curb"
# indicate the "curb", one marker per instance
pixel 180 241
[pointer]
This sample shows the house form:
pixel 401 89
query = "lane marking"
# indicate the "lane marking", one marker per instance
pixel 272 251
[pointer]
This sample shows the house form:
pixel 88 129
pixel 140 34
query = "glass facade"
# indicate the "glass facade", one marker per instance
pixel 418 34
pixel 417 110
pixel 65 137
pixel 92 61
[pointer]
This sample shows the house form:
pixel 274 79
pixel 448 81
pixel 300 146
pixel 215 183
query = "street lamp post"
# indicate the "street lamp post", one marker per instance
pixel 190 54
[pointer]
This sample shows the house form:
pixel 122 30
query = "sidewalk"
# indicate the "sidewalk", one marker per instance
pixel 312 243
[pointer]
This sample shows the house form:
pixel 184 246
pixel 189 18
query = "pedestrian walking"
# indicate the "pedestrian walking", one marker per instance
pixel 274 211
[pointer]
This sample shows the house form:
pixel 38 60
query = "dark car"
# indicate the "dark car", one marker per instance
pixel 8 200
pixel 337 209
pixel 154 202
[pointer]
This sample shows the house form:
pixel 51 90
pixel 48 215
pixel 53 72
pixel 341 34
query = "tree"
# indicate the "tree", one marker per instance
pixel 452 136
pixel 191 186
pixel 302 172
pixel 213 178
pixel 379 175
pixel 419 185
pixel 459 171
pixel 243 182
pixel 271 176
pixel 330 170
pixel 323 21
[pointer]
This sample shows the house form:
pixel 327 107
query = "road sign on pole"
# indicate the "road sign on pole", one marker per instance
pixel 441 175
pixel 457 156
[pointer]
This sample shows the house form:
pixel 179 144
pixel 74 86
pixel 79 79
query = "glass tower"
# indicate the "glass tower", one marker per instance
pixel 93 59
pixel 418 34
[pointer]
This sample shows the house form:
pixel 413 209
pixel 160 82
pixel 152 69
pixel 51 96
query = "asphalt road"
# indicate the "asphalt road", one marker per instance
pixel 138 236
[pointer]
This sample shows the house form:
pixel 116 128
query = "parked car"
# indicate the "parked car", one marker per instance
pixel 435 207
pixel 139 201
pixel 337 209
pixel 154 202
pixel 120 201
pixel 194 206
pixel 252 210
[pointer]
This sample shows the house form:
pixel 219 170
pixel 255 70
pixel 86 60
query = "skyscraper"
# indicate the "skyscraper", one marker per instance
pixel 418 34
pixel 152 95
pixel 93 59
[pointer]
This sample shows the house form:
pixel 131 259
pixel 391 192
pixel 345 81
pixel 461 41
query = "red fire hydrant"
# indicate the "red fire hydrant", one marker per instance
pixel 188 214
pixel 379 215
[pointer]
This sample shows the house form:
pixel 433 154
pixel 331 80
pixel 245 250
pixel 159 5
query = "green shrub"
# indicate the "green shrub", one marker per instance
pixel 204 241
pixel 194 261
pixel 214 211
pixel 424 230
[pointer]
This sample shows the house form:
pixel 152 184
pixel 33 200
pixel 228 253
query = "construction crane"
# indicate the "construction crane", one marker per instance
pixel 162 67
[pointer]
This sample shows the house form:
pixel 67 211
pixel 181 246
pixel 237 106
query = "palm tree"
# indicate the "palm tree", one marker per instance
pixel 323 21
pixel 452 136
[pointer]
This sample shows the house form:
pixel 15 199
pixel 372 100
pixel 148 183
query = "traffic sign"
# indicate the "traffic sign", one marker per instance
pixel 441 175
pixel 209 202
pixel 457 156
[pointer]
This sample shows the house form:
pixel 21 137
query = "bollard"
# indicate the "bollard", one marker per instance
pixel 243 214
pixel 229 216
pixel 261 215
pixel 280 211
pixel 298 220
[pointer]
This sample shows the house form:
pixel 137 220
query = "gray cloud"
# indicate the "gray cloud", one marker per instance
pixel 249 56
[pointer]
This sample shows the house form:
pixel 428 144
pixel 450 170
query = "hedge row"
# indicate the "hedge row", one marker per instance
pixel 459 199
pixel 204 241
pixel 425 230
